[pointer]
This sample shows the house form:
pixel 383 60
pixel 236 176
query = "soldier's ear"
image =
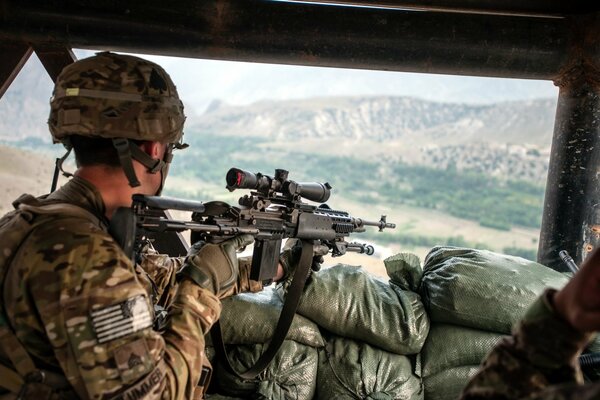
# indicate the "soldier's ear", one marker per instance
pixel 152 148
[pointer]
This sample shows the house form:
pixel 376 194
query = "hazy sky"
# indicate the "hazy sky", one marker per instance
pixel 201 81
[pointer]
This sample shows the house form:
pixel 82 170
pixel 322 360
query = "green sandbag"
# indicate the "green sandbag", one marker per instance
pixel 448 384
pixel 352 303
pixel 353 370
pixel 449 346
pixel 481 289
pixel 404 269
pixel 250 318
pixel 291 375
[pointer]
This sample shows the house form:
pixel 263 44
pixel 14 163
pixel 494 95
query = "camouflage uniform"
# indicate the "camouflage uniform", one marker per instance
pixel 80 307
pixel 73 300
pixel 539 361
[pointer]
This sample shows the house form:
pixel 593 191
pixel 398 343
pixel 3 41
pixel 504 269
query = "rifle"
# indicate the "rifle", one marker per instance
pixel 273 211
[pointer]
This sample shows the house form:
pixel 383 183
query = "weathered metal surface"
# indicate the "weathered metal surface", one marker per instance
pixel 543 8
pixel 573 187
pixel 572 202
pixel 13 55
pixel 54 57
pixel 300 33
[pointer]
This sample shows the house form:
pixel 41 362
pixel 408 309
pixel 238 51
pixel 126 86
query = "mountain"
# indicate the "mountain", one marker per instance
pixel 385 119
pixel 509 140
pixel 506 139
pixel 25 106
pixel 22 172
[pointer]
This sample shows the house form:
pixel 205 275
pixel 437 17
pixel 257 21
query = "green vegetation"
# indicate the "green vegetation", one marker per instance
pixel 519 252
pixel 412 240
pixel 491 202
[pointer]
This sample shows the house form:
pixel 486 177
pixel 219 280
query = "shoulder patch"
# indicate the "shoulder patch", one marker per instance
pixel 122 319
pixel 133 360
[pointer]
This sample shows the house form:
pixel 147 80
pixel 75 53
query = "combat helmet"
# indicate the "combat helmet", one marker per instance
pixel 119 97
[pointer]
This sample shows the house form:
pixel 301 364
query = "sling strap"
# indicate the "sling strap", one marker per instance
pixel 286 317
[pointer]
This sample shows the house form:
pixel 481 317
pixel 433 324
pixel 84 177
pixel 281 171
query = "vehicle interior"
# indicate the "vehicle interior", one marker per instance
pixel 538 39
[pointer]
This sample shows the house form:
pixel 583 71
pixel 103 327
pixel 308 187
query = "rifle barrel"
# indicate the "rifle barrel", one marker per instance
pixel 381 224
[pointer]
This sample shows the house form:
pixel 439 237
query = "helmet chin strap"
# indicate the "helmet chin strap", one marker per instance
pixel 58 167
pixel 166 162
pixel 128 151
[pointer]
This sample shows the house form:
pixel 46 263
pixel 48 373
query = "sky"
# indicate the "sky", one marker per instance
pixel 199 82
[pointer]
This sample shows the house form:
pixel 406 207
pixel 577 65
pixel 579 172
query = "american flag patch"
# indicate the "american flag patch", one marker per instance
pixel 121 319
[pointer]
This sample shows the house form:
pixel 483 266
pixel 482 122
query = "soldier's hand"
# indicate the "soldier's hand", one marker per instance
pixel 579 301
pixel 215 266
pixel 290 257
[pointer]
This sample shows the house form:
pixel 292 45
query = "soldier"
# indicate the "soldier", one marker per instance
pixel 540 360
pixel 76 314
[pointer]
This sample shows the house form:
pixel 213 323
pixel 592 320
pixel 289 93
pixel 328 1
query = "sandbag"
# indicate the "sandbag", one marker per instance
pixel 291 375
pixel 404 269
pixel 350 302
pixel 482 289
pixel 448 384
pixel 353 370
pixel 250 318
pixel 450 346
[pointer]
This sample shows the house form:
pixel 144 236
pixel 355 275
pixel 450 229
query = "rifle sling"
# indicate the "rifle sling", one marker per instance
pixel 286 317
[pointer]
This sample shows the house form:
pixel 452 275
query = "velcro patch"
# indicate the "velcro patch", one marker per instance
pixel 121 319
pixel 133 360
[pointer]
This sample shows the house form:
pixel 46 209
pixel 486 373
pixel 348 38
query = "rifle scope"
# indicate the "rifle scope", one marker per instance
pixel 239 179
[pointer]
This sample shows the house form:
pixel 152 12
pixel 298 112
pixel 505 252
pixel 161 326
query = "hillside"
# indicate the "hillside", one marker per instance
pixel 505 140
pixel 384 119
pixel 22 172
pixel 25 106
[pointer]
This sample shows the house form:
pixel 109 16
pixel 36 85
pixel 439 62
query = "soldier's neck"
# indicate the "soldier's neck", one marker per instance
pixel 113 185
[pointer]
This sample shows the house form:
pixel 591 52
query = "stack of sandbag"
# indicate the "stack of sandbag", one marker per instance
pixel 248 321
pixel 451 356
pixel 473 297
pixel 349 369
pixel 374 330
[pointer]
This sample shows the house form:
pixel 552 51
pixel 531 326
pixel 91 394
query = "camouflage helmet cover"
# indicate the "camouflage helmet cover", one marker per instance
pixel 116 96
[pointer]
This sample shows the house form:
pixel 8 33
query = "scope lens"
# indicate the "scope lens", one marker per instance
pixel 239 179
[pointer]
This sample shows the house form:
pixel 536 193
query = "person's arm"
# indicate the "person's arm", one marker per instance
pixel 542 351
pixel 162 270
pixel 100 321
pixel 544 348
